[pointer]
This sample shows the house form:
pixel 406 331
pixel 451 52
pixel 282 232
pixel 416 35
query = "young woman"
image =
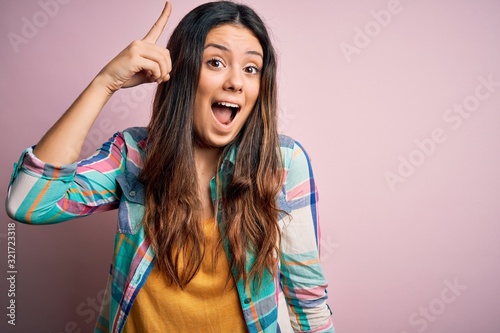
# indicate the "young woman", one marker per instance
pixel 217 212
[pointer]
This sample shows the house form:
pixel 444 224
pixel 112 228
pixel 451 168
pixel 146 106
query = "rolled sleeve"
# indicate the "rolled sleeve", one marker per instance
pixel 43 193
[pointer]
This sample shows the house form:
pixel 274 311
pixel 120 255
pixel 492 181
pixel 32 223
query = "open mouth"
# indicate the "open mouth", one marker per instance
pixel 225 112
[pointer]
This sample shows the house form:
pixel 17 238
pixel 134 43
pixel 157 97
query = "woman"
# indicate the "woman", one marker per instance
pixel 216 211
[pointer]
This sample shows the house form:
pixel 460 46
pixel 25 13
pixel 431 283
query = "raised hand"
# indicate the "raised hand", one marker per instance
pixel 143 61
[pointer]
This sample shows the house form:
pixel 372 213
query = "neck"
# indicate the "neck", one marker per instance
pixel 206 159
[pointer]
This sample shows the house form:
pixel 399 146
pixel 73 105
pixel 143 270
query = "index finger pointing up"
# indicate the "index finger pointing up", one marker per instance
pixel 155 32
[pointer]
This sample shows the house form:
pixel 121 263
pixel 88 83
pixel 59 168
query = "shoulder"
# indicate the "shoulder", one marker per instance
pixel 293 153
pixel 136 134
pixel 130 143
pixel 135 137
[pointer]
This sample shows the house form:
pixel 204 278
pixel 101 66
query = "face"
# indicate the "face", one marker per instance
pixel 229 84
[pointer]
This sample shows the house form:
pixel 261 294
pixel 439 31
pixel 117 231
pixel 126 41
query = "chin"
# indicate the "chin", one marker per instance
pixel 214 141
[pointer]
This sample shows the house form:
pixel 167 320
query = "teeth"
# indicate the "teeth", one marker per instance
pixel 229 105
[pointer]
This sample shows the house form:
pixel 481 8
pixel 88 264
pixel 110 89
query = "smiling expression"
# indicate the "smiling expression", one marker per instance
pixel 229 84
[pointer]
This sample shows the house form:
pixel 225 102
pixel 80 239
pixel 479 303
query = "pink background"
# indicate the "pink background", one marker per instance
pixel 420 255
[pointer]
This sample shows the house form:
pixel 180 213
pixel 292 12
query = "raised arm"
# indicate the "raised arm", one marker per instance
pixel 143 61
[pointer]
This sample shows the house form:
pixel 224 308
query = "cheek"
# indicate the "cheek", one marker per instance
pixel 199 116
pixel 201 102
pixel 253 94
pixel 201 95
pixel 208 83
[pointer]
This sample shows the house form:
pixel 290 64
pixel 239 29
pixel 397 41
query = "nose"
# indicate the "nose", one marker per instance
pixel 234 80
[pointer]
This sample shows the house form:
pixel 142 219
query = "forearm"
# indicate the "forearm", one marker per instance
pixel 143 61
pixel 62 144
pixel 43 193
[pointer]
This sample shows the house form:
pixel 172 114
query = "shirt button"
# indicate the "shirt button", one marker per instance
pixel 132 193
pixel 247 301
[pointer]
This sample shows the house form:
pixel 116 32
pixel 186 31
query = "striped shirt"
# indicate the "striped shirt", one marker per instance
pixel 41 193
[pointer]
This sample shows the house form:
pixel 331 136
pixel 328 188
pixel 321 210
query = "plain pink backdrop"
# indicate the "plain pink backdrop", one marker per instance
pixel 363 86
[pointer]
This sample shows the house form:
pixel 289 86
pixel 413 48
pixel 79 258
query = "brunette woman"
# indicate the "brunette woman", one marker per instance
pixel 217 212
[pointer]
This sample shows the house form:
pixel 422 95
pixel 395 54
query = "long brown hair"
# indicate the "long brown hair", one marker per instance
pixel 248 206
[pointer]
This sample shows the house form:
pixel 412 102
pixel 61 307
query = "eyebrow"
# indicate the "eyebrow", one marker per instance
pixel 223 48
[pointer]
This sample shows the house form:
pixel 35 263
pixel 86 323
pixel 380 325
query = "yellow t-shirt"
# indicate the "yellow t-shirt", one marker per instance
pixel 206 304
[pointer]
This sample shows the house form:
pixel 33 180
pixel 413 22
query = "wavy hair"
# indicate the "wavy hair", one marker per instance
pixel 248 206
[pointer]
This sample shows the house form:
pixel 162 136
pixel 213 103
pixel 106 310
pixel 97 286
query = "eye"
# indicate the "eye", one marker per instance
pixel 254 70
pixel 215 63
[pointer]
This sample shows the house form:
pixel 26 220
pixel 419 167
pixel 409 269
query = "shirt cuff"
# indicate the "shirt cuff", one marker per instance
pixel 33 166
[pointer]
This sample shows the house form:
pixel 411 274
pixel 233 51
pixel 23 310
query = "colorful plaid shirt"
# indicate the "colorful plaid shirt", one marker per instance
pixel 40 193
